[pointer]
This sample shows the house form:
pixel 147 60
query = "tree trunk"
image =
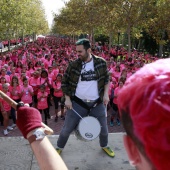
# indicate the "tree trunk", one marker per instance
pixel 160 50
pixel 9 44
pixel 123 39
pixel 139 45
pixel 22 37
pixel 110 40
pixel 129 41
pixel 92 34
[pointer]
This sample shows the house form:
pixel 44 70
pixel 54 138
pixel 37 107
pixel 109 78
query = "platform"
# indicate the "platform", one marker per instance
pixel 16 154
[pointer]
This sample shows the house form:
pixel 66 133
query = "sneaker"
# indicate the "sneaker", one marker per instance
pixel 5 132
pixel 109 151
pixel 56 119
pixel 59 150
pixel 62 117
pixel 13 125
pixel 9 128
pixel 118 122
pixel 111 123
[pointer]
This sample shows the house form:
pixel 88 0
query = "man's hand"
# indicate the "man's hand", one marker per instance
pixel 106 99
pixel 68 102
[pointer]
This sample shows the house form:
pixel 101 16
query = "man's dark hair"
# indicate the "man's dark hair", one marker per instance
pixel 85 42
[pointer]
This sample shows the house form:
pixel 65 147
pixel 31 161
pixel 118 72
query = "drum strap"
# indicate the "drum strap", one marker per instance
pixel 83 104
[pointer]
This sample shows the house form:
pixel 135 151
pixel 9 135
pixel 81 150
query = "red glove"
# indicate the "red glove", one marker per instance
pixel 28 119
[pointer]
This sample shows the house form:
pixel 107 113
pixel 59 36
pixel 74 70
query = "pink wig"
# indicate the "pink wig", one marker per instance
pixel 146 98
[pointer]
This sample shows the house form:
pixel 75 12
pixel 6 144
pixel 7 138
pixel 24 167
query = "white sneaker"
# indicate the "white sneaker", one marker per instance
pixel 13 125
pixel 9 128
pixel 5 132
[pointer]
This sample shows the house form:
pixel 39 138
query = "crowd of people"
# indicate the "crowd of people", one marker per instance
pixel 33 73
pixel 44 70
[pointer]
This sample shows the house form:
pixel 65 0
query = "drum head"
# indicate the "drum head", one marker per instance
pixel 89 128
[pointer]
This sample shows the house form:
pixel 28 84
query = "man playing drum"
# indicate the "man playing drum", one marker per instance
pixel 85 85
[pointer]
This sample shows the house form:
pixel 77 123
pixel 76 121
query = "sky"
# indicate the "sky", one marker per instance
pixel 52 6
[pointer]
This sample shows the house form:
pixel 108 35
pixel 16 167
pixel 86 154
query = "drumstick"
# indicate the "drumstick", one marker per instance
pixel 13 104
pixel 106 110
pixel 79 115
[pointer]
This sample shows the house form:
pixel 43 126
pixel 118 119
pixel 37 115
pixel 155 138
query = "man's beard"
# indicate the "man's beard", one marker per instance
pixel 84 58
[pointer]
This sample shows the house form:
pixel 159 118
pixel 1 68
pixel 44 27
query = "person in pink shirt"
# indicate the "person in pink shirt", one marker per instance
pixel 55 69
pixel 14 56
pixel 5 109
pixel 48 61
pixel 61 70
pixel 23 75
pixel 14 90
pixel 129 72
pixel 2 81
pixel 43 66
pixel 4 74
pixel 26 92
pixel 45 80
pixel 42 102
pixel 50 72
pixel 116 73
pixel 124 73
pixel 31 69
pixel 112 86
pixel 24 69
pixel 13 73
pixel 18 67
pixel 115 103
pixel 37 65
pixel 3 61
pixel 34 81
pixel 58 97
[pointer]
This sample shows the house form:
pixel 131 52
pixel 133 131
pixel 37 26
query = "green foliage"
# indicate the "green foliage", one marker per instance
pixel 19 17
pixel 110 16
pixel 102 38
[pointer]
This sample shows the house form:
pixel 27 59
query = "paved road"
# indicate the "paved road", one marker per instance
pixel 16 154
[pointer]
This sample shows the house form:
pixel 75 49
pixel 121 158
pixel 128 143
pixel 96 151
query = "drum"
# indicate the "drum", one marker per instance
pixel 88 129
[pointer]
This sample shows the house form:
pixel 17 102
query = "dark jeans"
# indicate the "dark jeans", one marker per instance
pixel 13 112
pixel 1 118
pixel 45 113
pixel 72 120
pixel 56 101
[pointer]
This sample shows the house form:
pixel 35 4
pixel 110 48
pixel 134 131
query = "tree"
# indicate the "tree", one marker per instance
pixel 19 17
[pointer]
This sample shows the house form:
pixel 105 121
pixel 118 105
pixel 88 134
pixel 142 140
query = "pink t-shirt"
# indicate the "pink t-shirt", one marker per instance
pixel 21 82
pixel 116 75
pixel 26 97
pixel 48 63
pixel 34 82
pixel 42 80
pixel 7 78
pixel 51 75
pixel 5 105
pixel 57 85
pixel 16 91
pixel 18 70
pixel 55 72
pixel 15 74
pixel 42 103
pixel 30 72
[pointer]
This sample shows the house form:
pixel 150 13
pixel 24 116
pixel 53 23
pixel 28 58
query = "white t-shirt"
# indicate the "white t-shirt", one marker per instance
pixel 87 87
